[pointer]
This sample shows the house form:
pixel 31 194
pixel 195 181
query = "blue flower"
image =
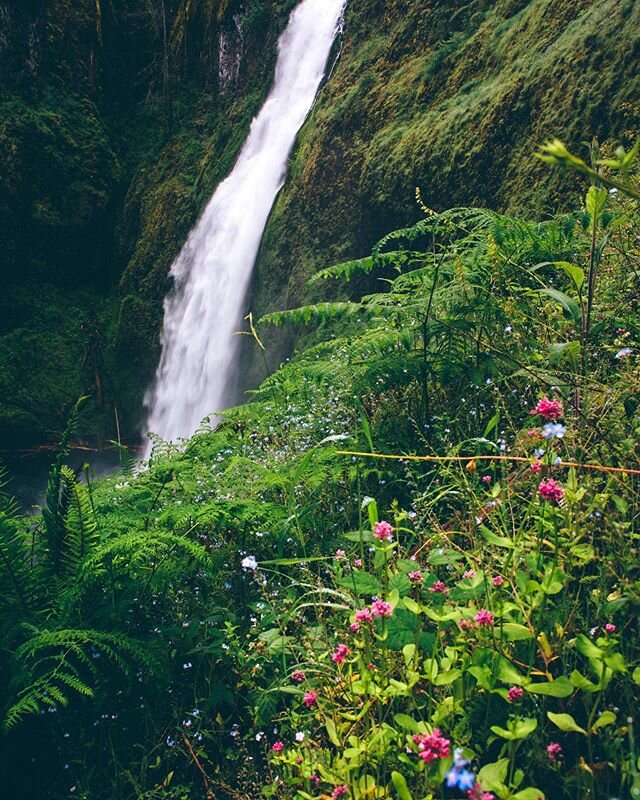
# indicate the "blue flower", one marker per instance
pixel 554 429
pixel 464 779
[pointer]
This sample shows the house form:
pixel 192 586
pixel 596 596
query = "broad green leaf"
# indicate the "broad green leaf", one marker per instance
pixel 595 202
pixel 513 632
pixel 568 303
pixel 580 682
pixel 587 647
pixel 561 687
pixel 616 662
pixel 400 785
pixel 445 678
pixel 401 583
pixel 492 538
pixel 565 722
pixel 333 733
pixel 361 583
pixel 518 729
pixel 411 605
pixel 529 793
pixel 636 675
pixel 492 776
pixel 406 722
pixel 606 718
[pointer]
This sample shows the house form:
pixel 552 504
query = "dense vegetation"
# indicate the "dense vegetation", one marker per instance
pixel 118 118
pixel 276 609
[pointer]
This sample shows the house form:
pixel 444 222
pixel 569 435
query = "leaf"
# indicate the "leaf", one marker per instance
pixel 518 729
pixel 407 722
pixel 636 676
pixel 513 632
pixel 580 682
pixel 400 785
pixel 560 687
pixel 587 647
pixel 361 583
pixel 492 776
pixel 565 722
pixel 411 605
pixel 568 303
pixel 595 202
pixel 401 583
pixel 333 733
pixel 531 793
pixel 606 718
pixel 492 538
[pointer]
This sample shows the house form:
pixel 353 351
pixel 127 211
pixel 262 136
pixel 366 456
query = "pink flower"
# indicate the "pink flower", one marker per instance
pixel 355 626
pixel 314 779
pixel 380 608
pixel 610 627
pixel 549 409
pixel 340 654
pixel 554 752
pixel 470 573
pixel 383 530
pixel 339 791
pixel 340 554
pixel 439 588
pixel 310 698
pixel 550 490
pixel 484 617
pixel 357 562
pixel 416 577
pixel 535 467
pixel 364 615
pixel 514 694
pixel 497 580
pixel 432 746
pixel 277 747
pixel 298 676
pixel 487 479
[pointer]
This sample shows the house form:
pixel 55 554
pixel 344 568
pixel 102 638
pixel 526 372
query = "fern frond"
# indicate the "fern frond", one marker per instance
pixel 321 312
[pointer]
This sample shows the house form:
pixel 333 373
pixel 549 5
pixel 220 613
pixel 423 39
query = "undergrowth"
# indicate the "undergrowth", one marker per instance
pixel 406 567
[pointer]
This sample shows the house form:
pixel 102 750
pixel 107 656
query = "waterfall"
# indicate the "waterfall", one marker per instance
pixel 212 273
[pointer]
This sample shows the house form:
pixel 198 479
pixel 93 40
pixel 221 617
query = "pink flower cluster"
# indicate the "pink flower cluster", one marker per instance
pixel 497 580
pixel 380 608
pixel 484 617
pixel 340 654
pixel 549 409
pixel 554 751
pixel 432 746
pixel 383 530
pixel 310 698
pixel 515 694
pixel 550 490
pixel 277 747
pixel 298 676
pixel 416 577
pixel 439 588
pixel 339 791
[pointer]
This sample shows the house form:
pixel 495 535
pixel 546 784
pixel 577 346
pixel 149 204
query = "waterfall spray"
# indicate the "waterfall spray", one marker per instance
pixel 196 374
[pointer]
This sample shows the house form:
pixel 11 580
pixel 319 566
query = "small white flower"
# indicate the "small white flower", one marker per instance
pixel 300 736
pixel 249 563
pixel 624 353
pixel 366 500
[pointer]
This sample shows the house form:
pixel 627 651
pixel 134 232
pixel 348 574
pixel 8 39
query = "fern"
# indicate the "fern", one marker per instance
pixel 53 665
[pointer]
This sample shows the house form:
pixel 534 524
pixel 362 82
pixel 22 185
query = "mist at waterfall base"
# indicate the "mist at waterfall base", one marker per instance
pixel 198 368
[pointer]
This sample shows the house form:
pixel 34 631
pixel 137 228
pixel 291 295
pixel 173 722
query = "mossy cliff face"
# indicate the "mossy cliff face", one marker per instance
pixel 117 121
pixel 451 97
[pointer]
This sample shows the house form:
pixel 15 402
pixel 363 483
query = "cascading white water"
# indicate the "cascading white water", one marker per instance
pixel 212 273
